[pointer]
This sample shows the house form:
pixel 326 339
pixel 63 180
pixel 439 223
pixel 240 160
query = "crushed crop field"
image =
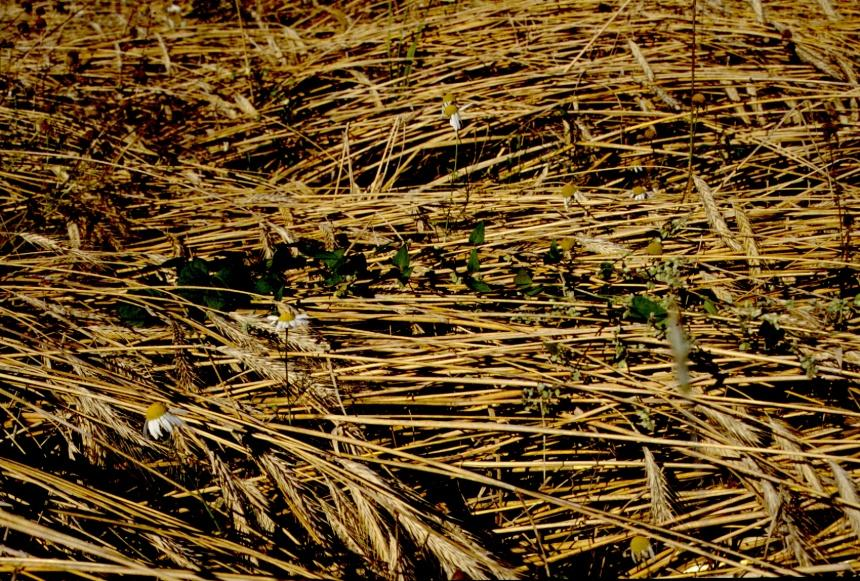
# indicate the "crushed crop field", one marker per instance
pixel 429 289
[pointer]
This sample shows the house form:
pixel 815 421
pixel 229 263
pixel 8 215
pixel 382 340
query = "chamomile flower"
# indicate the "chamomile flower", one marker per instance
pixel 641 549
pixel 288 319
pixel 160 420
pixel 453 115
pixel 451 111
pixel 639 193
pixel 567 192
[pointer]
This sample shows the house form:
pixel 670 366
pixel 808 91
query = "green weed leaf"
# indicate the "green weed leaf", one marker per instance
pixel 709 307
pixel 523 279
pixel 477 285
pixel 193 273
pixel 401 259
pixel 331 260
pixel 554 254
pixel 473 265
pixel 644 309
pixel 477 235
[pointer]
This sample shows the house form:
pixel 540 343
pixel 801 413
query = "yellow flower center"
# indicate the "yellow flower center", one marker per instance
pixel 286 317
pixel 639 545
pixel 155 411
pixel 568 190
pixel 450 110
pixel 448 98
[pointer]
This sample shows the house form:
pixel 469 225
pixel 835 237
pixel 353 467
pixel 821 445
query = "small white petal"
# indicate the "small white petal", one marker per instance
pixel 163 424
pixel 455 122
pixel 283 323
pixel 154 428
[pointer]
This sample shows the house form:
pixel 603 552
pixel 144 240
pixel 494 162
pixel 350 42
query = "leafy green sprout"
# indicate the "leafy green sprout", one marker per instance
pixel 476 236
pixel 668 272
pixel 401 263
pixel 542 398
pixel 645 421
pixel 809 366
pixel 473 263
pixel 558 353
pixel 839 311
pixel 647 310
pixel 525 284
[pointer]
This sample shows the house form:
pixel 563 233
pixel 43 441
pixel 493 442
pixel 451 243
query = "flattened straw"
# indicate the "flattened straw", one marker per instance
pixel 218 173
pixel 713 214
pixel 650 79
pixel 671 101
pixel 173 550
pixel 735 97
pixel 847 492
pixel 640 58
pixel 245 106
pixel 230 493
pixel 258 502
pixel 748 240
pixel 165 55
pixel 758 9
pixel 454 547
pixel 601 246
pixel 35 530
pixel 597 35
pixel 813 57
pixel 829 10
pixel 739 432
pixel 785 440
pixel 658 490
pixel 782 523
pixel 376 536
pixel 680 346
pixel 301 501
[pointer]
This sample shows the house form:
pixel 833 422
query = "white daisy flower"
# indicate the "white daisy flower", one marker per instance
pixel 288 320
pixel 567 192
pixel 452 112
pixel 159 419
pixel 640 549
pixel 453 115
pixel 640 194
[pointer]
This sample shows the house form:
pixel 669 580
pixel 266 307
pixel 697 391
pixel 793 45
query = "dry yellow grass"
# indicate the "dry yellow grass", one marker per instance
pixel 506 401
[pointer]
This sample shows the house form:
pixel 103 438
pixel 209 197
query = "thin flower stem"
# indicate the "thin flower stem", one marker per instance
pixel 287 372
pixel 692 107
